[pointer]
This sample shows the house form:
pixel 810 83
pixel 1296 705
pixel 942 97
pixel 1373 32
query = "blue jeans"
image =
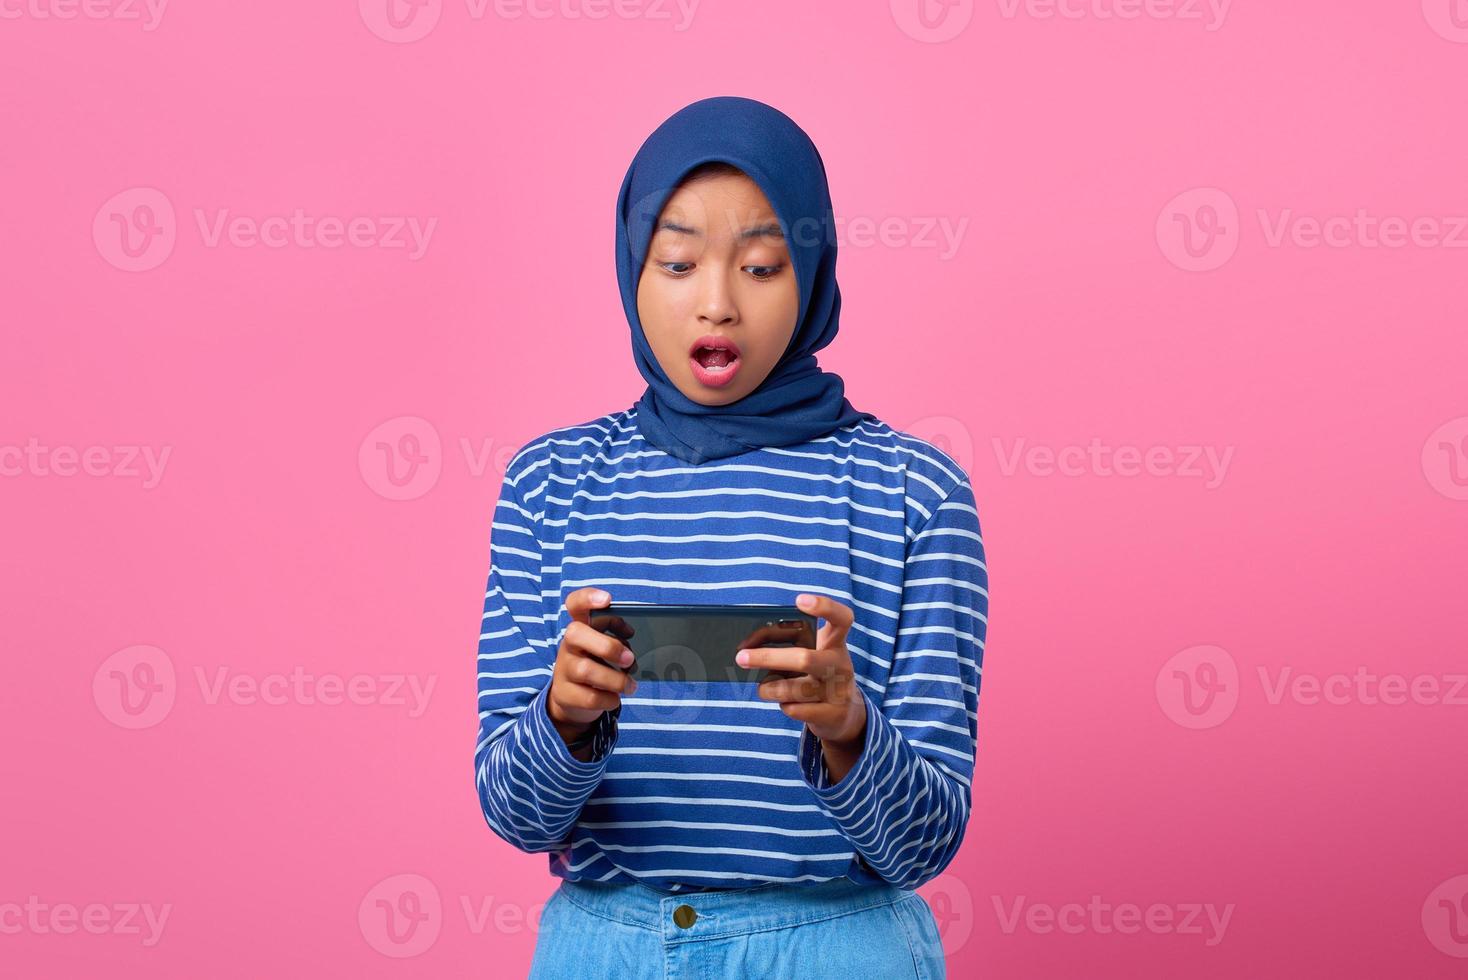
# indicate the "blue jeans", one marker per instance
pixel 836 929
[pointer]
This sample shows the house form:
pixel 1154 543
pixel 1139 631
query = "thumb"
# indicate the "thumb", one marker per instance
pixel 580 603
pixel 838 617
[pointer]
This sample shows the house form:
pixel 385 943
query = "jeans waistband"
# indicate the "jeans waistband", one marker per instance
pixel 730 912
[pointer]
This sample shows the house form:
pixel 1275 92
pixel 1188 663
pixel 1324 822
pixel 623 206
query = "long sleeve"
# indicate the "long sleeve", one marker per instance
pixel 905 803
pixel 531 788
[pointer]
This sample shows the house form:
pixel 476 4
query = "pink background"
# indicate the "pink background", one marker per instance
pixel 1113 281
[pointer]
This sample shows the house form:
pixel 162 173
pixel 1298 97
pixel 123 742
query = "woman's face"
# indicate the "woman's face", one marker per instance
pixel 718 268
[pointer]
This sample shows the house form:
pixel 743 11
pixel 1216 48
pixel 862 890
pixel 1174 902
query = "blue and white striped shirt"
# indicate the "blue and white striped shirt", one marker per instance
pixel 707 785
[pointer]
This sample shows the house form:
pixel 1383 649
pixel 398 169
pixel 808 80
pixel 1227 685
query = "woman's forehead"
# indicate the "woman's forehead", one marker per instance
pixel 700 210
pixel 720 192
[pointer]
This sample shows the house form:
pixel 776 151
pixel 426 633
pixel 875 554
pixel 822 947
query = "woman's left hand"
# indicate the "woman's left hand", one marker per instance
pixel 823 692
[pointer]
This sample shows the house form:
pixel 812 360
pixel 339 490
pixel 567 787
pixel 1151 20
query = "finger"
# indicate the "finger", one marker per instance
pixel 588 698
pixel 803 688
pixel 616 625
pixel 791 659
pixel 582 638
pixel 794 633
pixel 580 602
pixel 593 673
pixel 838 617
pixel 816 713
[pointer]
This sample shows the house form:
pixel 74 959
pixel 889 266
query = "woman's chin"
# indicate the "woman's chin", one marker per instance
pixel 704 395
pixel 698 393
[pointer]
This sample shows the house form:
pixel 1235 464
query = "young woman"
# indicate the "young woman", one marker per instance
pixel 735 830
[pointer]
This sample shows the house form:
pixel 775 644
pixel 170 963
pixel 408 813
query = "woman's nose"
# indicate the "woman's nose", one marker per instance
pixel 716 299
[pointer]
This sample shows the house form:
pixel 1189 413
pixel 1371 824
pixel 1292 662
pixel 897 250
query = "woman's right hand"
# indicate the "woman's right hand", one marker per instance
pixel 588 678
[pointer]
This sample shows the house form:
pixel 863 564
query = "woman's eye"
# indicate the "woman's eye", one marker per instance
pixel 759 272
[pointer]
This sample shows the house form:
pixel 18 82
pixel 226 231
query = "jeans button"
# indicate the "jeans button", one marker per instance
pixel 684 916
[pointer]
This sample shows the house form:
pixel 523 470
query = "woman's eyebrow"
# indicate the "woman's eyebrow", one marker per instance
pixel 667 225
pixel 771 229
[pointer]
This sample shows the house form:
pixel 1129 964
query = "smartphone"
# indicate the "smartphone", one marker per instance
pixel 698 642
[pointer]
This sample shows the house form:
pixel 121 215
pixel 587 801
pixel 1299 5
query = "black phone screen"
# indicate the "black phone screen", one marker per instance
pixel 697 643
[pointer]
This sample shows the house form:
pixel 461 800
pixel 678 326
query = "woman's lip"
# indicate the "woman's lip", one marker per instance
pixel 715 379
pixel 709 340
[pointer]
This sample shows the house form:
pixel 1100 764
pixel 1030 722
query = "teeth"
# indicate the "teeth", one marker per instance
pixel 715 359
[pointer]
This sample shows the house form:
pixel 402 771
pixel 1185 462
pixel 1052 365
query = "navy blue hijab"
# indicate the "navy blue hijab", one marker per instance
pixel 797 401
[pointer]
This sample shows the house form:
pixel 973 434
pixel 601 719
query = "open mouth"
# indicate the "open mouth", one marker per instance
pixel 714 360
